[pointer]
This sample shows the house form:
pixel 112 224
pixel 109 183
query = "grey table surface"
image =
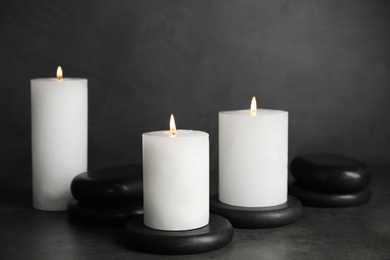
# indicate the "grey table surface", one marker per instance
pixel 333 233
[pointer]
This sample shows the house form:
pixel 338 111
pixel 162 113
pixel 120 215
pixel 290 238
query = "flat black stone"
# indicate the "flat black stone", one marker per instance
pixel 117 185
pixel 315 198
pixel 217 234
pixel 258 217
pixel 103 215
pixel 330 172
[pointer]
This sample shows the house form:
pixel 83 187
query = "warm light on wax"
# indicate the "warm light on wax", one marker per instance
pixel 59 73
pixel 59 127
pixel 253 157
pixel 175 179
pixel 253 106
pixel 172 126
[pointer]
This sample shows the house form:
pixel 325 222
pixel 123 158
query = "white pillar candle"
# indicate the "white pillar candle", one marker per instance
pixel 253 157
pixel 59 138
pixel 176 179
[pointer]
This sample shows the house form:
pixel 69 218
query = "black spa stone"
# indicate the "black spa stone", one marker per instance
pixel 117 185
pixel 116 215
pixel 330 172
pixel 217 234
pixel 258 217
pixel 313 198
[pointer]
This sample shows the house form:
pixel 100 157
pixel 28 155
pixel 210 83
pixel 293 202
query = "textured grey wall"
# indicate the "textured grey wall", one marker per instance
pixel 327 62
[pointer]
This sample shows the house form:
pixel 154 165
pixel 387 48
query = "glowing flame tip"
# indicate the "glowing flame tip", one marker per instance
pixel 253 106
pixel 172 126
pixel 59 73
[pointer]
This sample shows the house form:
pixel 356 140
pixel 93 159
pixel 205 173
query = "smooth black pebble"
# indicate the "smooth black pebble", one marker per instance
pixel 258 217
pixel 119 185
pixel 330 173
pixel 103 215
pixel 217 234
pixel 315 198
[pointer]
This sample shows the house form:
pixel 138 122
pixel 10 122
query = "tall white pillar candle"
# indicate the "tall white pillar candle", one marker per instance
pixel 253 157
pixel 176 179
pixel 59 139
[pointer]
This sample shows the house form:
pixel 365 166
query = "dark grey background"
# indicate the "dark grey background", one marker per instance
pixel 327 62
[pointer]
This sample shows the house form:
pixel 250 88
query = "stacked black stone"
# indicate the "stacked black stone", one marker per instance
pixel 107 196
pixel 330 180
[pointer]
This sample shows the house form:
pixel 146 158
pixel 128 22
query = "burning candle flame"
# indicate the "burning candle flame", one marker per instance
pixel 172 126
pixel 59 73
pixel 253 106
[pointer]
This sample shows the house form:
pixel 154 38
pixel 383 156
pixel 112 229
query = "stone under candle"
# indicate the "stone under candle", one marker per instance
pixel 59 116
pixel 176 179
pixel 253 157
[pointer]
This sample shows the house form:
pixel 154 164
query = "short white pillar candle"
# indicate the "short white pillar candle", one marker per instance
pixel 59 113
pixel 253 157
pixel 176 179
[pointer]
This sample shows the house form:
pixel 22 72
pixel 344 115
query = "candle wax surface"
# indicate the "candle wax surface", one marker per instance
pixel 253 157
pixel 59 114
pixel 176 180
pixel 179 133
